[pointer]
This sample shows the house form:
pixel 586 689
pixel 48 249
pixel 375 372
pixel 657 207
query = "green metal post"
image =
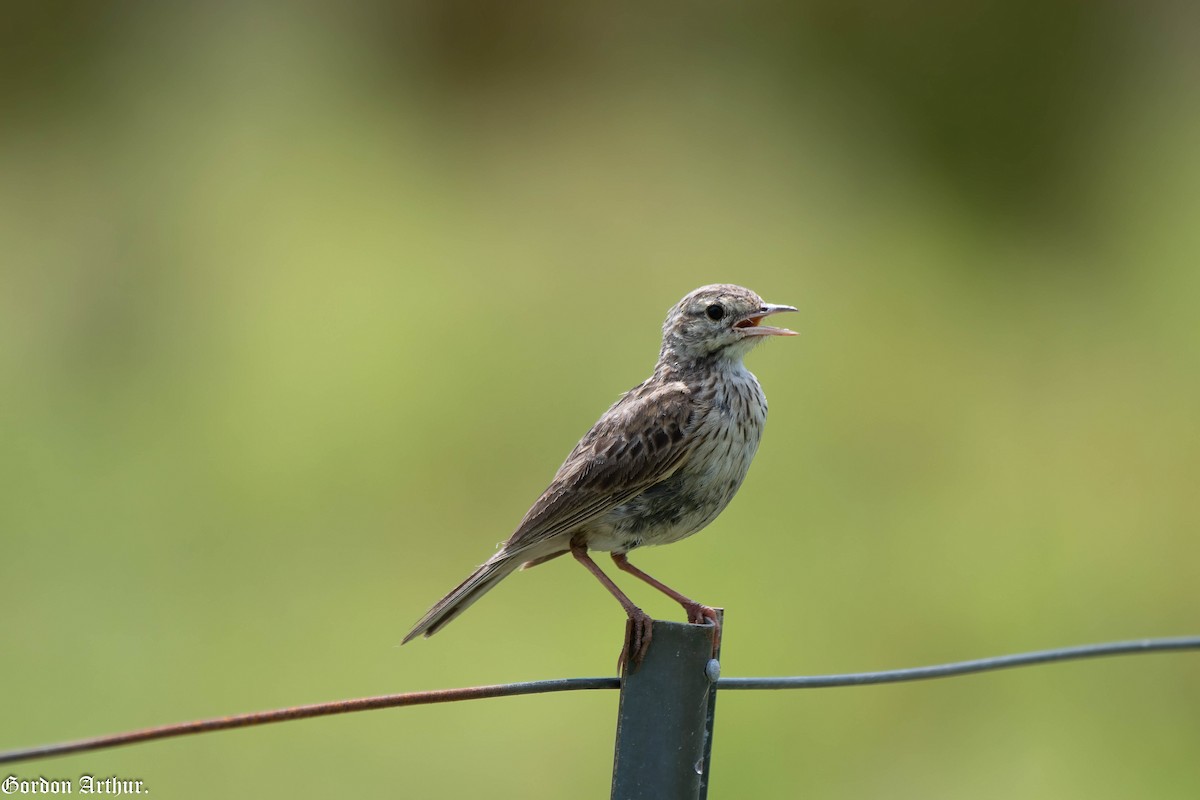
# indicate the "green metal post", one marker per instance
pixel 664 724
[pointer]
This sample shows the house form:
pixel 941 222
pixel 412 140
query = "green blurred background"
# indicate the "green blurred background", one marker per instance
pixel 301 306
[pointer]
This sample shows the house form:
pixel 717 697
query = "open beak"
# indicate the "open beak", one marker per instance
pixel 750 325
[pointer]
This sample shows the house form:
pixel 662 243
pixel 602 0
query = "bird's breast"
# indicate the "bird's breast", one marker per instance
pixel 728 437
pixel 724 444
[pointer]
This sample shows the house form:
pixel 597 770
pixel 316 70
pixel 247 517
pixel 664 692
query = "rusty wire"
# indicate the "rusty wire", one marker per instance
pixel 305 712
pixel 1134 647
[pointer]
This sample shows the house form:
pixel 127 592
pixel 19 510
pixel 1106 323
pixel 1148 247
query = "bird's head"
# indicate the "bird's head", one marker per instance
pixel 718 320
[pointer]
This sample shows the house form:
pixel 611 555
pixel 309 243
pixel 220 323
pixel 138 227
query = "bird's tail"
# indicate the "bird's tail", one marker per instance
pixel 466 593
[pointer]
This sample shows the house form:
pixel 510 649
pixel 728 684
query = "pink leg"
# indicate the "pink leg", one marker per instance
pixel 640 625
pixel 697 614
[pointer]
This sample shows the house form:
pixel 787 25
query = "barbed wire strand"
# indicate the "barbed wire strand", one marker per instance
pixel 1135 647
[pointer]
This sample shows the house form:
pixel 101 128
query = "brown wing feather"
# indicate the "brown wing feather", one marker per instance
pixel 638 442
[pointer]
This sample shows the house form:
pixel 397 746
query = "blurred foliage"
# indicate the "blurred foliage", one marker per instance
pixel 302 305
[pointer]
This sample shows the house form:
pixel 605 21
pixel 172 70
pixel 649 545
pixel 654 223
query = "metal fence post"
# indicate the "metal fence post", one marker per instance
pixel 664 724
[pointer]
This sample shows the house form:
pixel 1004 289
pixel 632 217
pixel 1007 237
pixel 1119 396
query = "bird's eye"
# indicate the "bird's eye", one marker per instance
pixel 715 312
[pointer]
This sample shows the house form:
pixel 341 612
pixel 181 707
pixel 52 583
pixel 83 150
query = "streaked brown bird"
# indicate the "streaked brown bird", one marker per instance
pixel 658 466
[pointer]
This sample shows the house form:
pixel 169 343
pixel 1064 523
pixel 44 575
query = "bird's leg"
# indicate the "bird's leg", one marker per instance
pixel 640 624
pixel 697 614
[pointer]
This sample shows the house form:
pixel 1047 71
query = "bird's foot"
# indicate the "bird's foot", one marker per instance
pixel 638 632
pixel 705 615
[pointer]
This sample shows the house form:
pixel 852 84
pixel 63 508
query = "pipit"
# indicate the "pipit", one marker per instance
pixel 658 466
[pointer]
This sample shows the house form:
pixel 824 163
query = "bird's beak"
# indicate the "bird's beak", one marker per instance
pixel 750 325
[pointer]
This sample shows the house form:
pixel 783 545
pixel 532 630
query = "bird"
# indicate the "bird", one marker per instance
pixel 658 466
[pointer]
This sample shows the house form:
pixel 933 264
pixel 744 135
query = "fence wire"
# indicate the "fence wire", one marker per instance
pixel 1133 647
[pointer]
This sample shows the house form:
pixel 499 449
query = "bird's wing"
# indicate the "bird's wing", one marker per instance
pixel 640 441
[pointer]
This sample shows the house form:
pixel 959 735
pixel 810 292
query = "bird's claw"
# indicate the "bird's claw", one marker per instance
pixel 638 631
pixel 706 615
